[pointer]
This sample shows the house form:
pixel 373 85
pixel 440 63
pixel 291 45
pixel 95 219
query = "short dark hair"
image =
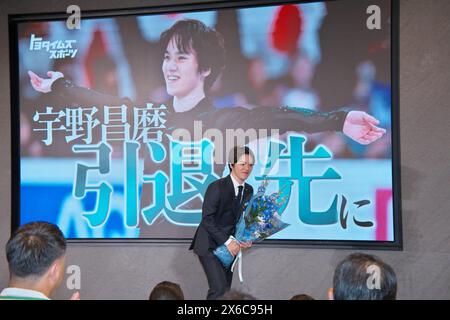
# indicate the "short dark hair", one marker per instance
pixel 234 294
pixel 207 43
pixel 238 152
pixel 167 290
pixel 351 276
pixel 33 248
pixel 302 297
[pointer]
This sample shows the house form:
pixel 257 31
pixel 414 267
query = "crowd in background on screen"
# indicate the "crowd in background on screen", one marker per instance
pixel 274 69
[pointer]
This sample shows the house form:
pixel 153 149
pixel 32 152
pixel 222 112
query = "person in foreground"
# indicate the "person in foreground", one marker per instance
pixel 363 277
pixel 222 207
pixel 36 259
pixel 167 290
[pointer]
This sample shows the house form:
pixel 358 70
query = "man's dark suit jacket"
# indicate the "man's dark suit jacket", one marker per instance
pixel 219 216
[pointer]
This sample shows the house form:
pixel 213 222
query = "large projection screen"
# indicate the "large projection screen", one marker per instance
pixel 120 122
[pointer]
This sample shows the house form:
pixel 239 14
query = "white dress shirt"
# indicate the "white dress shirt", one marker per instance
pixel 236 185
pixel 23 293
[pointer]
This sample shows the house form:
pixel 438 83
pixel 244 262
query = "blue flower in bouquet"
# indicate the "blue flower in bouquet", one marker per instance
pixel 260 220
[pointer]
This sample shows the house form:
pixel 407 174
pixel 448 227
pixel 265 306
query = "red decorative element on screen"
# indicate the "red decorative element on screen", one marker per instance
pixel 287 29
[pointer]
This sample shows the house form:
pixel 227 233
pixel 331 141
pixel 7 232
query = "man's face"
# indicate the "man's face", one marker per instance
pixel 243 167
pixel 180 71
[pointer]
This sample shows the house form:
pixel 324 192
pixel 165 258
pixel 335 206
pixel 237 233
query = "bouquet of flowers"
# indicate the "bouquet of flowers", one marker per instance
pixel 260 220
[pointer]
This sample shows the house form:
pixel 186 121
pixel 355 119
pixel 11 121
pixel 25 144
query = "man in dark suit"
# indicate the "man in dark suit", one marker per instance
pixel 222 207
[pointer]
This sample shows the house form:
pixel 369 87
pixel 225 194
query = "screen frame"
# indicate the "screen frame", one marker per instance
pixel 156 8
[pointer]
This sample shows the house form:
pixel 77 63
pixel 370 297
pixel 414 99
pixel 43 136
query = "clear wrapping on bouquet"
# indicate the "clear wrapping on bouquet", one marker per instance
pixel 260 220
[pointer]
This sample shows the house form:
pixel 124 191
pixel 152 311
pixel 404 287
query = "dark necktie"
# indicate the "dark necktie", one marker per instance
pixel 238 199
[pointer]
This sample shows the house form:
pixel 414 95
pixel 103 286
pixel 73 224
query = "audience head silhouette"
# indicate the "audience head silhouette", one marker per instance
pixel 364 277
pixel 36 257
pixel 302 297
pixel 237 295
pixel 167 290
